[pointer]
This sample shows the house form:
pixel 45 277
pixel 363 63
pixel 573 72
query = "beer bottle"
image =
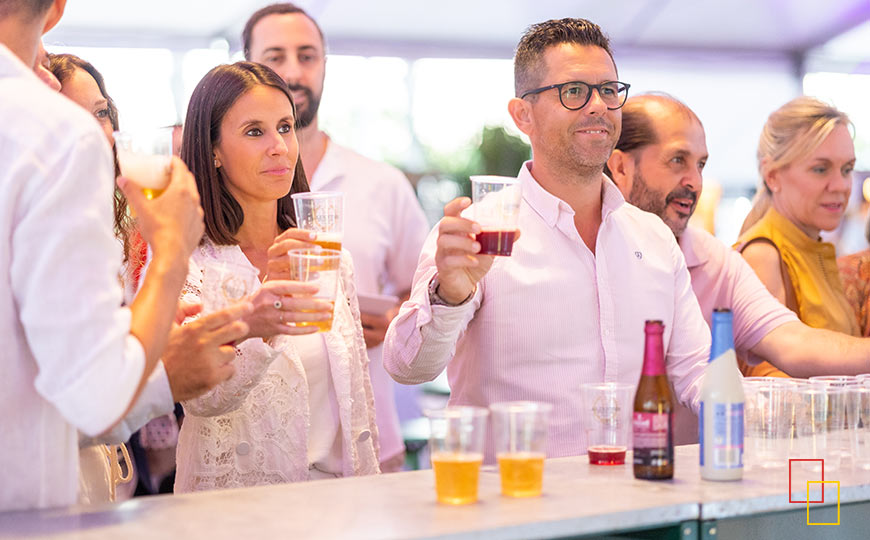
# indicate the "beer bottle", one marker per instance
pixel 653 421
pixel 721 417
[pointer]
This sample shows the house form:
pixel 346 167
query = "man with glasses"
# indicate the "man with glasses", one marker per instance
pixel 569 305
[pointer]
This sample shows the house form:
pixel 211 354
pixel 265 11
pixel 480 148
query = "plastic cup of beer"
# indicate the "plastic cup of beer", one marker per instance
pixel 321 212
pixel 145 157
pixel 520 432
pixel 606 415
pixel 456 441
pixel 319 266
pixel 496 209
pixel 225 283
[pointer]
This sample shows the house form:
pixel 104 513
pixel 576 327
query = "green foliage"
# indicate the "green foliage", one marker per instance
pixel 497 152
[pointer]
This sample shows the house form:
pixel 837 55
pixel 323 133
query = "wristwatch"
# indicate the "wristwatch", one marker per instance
pixel 435 298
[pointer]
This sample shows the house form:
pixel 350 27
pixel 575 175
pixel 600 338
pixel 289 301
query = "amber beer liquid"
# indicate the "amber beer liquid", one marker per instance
pixel 522 473
pixel 496 242
pixel 328 241
pixel 456 477
pixel 653 422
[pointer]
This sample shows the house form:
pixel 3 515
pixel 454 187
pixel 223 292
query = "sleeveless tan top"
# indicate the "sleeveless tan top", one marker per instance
pixel 816 293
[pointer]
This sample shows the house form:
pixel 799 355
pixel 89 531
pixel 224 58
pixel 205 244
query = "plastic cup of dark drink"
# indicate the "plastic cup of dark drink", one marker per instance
pixel 496 209
pixel 606 415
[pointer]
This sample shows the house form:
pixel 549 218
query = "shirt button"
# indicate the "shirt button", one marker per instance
pixel 606 333
pixel 364 435
pixel 243 448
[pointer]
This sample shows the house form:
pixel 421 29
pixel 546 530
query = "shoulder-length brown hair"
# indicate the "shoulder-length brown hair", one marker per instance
pixel 212 98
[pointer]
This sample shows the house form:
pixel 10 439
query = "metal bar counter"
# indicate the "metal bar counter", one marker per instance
pixel 579 500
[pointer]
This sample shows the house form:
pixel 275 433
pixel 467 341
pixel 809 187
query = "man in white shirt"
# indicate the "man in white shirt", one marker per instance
pixel 384 224
pixel 74 359
pixel 569 305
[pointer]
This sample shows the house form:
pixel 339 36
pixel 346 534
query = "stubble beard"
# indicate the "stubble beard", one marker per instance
pixel 306 115
pixel 652 201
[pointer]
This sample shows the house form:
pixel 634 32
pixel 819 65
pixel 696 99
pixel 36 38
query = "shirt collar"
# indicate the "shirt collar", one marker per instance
pixel 794 234
pixel 688 243
pixel 11 65
pixel 329 169
pixel 548 206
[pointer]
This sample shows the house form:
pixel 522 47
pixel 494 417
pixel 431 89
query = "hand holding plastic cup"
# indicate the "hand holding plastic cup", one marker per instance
pixel 145 157
pixel 520 432
pixel 496 209
pixel 322 213
pixel 319 266
pixel 456 441
pixel 606 416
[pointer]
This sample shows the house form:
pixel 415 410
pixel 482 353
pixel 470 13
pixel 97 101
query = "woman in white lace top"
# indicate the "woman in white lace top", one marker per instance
pixel 300 405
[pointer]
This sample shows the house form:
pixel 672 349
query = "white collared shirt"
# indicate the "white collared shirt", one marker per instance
pixel 554 315
pixel 69 362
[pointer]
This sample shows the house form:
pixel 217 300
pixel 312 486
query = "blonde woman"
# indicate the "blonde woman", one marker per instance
pixel 805 157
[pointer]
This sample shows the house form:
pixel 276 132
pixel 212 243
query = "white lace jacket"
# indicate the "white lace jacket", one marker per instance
pixel 253 429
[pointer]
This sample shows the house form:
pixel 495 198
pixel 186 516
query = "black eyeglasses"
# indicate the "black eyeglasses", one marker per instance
pixel 574 95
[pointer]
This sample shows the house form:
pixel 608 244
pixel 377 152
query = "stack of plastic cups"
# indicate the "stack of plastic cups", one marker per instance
pixel 767 424
pixel 843 396
pixel 861 448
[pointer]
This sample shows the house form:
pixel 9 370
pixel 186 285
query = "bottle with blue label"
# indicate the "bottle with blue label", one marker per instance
pixel 722 399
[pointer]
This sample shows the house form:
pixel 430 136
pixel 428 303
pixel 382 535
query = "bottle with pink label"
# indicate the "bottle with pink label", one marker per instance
pixel 653 422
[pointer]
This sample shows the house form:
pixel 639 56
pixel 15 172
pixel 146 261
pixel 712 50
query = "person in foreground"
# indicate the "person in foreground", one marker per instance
pixel 569 305
pixel 300 405
pixel 805 156
pixel 75 359
pixel 196 356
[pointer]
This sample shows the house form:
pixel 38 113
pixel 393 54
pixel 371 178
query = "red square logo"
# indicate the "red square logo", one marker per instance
pixel 790 490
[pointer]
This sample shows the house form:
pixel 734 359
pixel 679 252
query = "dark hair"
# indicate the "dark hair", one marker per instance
pixel 529 61
pixel 64 66
pixel 637 126
pixel 32 8
pixel 283 8
pixel 212 98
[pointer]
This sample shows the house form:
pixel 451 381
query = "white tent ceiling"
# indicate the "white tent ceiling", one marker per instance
pixel 486 28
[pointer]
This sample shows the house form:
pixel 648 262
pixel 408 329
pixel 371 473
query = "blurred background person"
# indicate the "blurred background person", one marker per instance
pixel 805 156
pixel 384 226
pixel 855 274
pixel 301 407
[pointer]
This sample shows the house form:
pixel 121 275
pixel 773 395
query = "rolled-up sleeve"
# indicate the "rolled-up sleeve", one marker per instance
pixel 422 339
pixel 64 277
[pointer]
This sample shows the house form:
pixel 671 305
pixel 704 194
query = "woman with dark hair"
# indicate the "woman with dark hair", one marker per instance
pixel 300 406
pixel 82 83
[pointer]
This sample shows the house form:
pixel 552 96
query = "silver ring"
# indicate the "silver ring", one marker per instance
pixel 278 304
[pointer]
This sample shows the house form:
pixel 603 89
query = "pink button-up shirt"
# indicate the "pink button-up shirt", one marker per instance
pixel 554 315
pixel 722 278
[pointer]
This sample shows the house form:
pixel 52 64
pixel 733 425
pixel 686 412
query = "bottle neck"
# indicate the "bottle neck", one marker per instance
pixel 653 355
pixel 723 335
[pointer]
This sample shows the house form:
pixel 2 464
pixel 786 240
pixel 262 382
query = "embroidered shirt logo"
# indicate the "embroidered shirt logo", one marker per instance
pixel 638 254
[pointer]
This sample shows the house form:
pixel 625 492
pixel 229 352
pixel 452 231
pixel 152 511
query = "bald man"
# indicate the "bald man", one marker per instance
pixel 658 165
